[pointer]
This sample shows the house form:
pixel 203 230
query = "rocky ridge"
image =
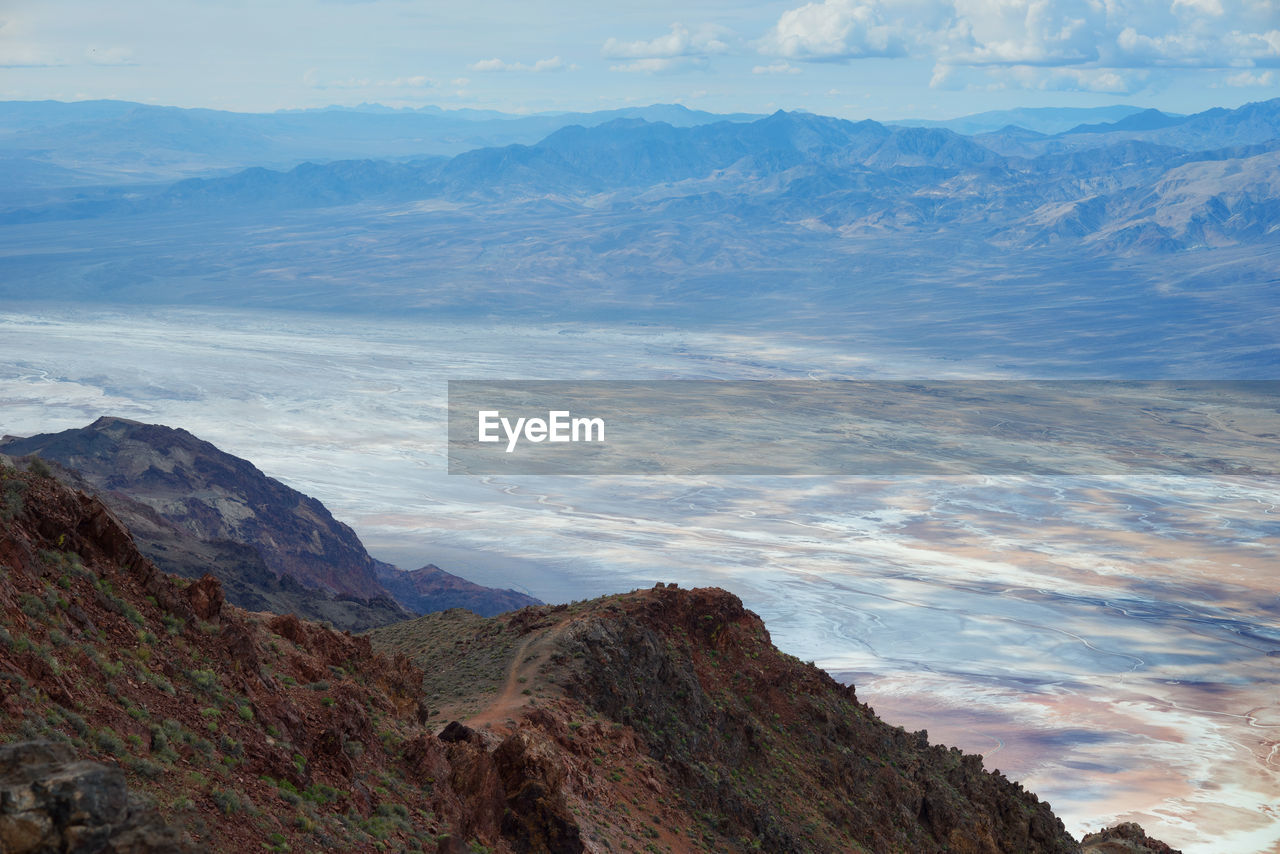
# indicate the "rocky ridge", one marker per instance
pixel 660 720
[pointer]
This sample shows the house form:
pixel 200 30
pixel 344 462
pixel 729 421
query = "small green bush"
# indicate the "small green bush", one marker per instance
pixel 31 606
pixel 11 504
pixel 227 801
pixel 205 680
pixel 146 769
pixel 108 742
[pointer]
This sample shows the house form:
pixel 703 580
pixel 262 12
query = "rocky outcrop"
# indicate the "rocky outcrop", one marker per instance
pixel 1126 838
pixel 744 730
pixel 52 804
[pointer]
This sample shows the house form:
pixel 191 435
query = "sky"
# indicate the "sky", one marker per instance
pixel 879 59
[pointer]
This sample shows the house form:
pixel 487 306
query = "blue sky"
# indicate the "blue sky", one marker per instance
pixel 855 58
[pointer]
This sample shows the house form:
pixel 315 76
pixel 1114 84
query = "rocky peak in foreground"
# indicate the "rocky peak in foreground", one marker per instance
pixel 661 720
pixel 667 716
pixel 197 509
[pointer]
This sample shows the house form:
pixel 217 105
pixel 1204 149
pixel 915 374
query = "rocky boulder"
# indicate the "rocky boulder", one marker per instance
pixel 52 804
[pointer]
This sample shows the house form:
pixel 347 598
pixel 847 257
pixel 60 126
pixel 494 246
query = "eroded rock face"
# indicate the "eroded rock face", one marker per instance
pixel 205 596
pixel 1127 838
pixel 50 804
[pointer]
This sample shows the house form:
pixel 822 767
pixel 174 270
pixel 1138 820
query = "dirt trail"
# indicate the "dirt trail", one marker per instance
pixel 522 674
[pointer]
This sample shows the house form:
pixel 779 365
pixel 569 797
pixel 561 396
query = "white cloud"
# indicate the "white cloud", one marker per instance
pixel 681 41
pixel 1111 81
pixel 840 29
pixel 776 68
pixel 1102 40
pixel 555 63
pixel 1029 32
pixel 1204 7
pixel 1248 78
pixel 1262 48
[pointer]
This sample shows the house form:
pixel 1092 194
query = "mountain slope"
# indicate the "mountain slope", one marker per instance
pixel 661 720
pixel 238 728
pixel 215 496
pixel 197 509
pixel 430 588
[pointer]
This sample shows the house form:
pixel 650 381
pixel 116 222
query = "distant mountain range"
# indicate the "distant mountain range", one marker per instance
pixel 795 219
pixel 120 142
pixel 1148 181
pixel 195 509
pixel 1045 120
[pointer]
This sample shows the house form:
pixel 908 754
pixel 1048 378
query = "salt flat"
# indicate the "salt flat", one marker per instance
pixel 1109 641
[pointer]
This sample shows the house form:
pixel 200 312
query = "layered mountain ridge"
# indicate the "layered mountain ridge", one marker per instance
pixel 1005 187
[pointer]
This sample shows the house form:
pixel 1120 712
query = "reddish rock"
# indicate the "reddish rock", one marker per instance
pixel 205 597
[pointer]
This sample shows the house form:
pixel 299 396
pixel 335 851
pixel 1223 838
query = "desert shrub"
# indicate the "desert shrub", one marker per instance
pixel 319 793
pixel 205 680
pixel 77 723
pixel 146 769
pixel 31 606
pixel 11 504
pixel 108 742
pixel 230 746
pixel 227 801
